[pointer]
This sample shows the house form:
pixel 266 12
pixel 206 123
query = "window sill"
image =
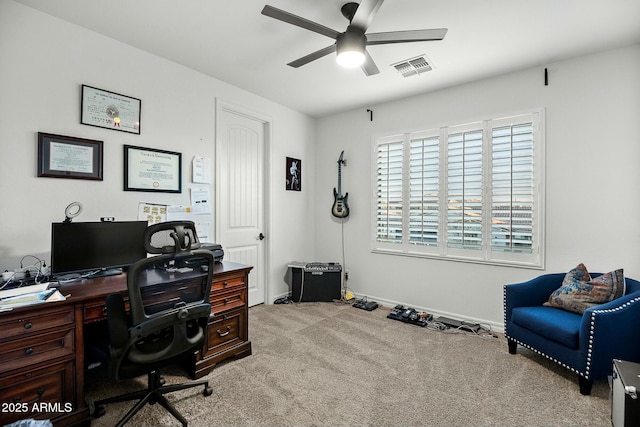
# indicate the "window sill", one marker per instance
pixel 457 258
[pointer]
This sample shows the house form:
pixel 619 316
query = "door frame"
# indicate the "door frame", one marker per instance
pixel 267 123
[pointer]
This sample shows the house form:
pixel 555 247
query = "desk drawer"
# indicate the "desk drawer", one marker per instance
pixel 34 321
pixel 36 348
pixel 51 389
pixel 226 331
pixel 229 300
pixel 225 284
pixel 96 311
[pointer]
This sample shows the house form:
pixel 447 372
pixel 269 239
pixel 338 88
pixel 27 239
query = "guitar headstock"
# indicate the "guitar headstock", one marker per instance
pixel 341 161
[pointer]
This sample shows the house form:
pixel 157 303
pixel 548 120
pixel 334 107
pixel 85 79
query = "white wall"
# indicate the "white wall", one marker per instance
pixel 43 63
pixel 592 149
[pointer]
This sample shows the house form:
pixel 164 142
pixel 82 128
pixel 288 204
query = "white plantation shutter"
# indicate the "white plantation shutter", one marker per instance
pixel 464 190
pixel 424 191
pixel 389 206
pixel 512 188
pixel 467 192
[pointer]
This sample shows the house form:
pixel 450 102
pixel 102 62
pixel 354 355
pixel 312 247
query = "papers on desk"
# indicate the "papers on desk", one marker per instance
pixel 24 290
pixel 28 295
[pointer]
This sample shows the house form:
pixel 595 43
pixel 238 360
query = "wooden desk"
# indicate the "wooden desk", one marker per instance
pixel 42 363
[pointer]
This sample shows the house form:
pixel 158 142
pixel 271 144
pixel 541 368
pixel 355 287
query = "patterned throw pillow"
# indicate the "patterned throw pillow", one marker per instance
pixel 579 291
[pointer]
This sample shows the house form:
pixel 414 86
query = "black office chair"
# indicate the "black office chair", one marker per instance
pixel 169 311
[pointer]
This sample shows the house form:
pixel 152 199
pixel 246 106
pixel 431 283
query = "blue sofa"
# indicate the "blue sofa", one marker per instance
pixel 586 344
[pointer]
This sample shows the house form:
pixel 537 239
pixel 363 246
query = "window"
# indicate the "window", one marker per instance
pixel 467 192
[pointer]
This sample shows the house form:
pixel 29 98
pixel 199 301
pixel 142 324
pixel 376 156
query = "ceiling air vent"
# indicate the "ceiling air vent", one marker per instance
pixel 413 67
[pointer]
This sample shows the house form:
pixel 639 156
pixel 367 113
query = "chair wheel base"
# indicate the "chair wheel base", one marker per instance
pixel 208 391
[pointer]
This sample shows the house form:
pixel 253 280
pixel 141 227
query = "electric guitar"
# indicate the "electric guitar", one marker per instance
pixel 340 208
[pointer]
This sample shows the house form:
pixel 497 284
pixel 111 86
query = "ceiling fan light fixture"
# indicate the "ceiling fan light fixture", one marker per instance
pixel 350 58
pixel 350 48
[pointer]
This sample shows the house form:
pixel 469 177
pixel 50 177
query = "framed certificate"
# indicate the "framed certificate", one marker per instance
pixel 68 157
pixel 148 169
pixel 110 110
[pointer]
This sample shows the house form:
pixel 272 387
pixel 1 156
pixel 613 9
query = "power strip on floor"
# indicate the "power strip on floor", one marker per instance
pixel 458 324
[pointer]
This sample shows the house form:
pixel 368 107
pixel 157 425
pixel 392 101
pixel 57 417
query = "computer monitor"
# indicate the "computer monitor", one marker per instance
pixel 93 249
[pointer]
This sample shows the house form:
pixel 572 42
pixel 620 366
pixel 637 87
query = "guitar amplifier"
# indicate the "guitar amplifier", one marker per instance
pixel 625 389
pixel 315 281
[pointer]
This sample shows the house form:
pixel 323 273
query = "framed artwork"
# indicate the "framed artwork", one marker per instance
pixel 110 110
pixel 293 174
pixel 68 157
pixel 148 169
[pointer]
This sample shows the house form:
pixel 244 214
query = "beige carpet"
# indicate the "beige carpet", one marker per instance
pixel 324 364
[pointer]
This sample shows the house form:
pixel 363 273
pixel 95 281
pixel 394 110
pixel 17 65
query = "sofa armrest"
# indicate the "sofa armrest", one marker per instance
pixel 611 330
pixel 531 293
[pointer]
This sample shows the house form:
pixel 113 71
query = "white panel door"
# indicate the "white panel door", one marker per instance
pixel 240 148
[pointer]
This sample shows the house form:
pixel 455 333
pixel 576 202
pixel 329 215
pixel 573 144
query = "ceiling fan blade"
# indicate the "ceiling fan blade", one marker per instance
pixel 369 67
pixel 365 13
pixel 290 18
pixel 312 56
pixel 406 36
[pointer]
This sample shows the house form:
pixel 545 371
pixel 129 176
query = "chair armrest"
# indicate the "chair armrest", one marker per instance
pixel 611 331
pixel 531 293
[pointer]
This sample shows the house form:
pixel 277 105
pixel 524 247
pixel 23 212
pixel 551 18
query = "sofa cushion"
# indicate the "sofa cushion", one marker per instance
pixel 578 274
pixel 558 325
pixel 580 291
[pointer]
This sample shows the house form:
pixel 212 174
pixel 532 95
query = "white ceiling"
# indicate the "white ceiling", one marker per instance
pixel 233 42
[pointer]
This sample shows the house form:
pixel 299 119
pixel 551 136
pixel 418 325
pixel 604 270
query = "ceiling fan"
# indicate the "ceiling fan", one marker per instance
pixel 351 44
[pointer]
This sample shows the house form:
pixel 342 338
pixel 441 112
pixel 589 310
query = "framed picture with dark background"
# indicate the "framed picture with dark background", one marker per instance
pixel 293 174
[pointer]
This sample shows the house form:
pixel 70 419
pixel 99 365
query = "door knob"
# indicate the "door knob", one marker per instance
pixel 261 236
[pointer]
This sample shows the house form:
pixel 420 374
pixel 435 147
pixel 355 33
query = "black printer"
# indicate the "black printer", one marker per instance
pixel 218 252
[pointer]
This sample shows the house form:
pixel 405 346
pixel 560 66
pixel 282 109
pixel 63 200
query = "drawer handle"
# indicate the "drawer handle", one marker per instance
pixel 28 325
pixel 40 393
pixel 224 334
pixel 224 284
pixel 28 351
pixel 226 300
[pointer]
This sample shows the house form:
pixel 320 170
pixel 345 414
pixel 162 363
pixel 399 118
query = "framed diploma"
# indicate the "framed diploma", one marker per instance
pixel 148 169
pixel 67 157
pixel 110 110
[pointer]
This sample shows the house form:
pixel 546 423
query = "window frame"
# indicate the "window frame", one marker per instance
pixel 485 255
